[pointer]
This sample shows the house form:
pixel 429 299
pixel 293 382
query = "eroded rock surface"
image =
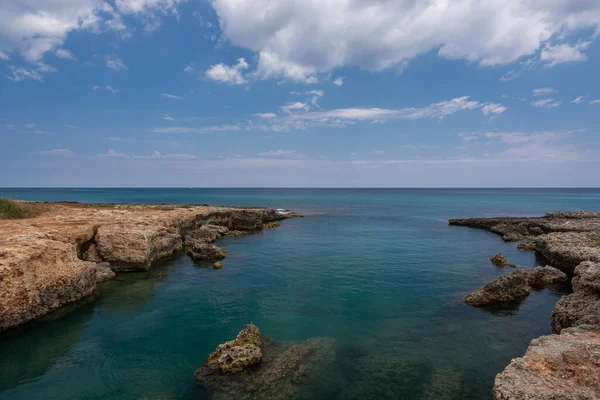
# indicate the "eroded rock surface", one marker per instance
pixel 61 255
pixel 501 261
pixel 206 251
pixel 515 286
pixel 254 367
pixel 555 367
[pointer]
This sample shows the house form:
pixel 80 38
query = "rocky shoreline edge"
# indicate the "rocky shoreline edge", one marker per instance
pixel 59 256
pixel 566 364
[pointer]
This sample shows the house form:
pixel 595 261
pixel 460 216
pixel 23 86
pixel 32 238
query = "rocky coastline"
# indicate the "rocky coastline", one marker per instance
pixel 566 364
pixel 59 256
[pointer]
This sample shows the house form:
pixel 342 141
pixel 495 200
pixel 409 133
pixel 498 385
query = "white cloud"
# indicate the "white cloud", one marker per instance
pixel 543 91
pixel 64 54
pixel 510 75
pixel 297 39
pixel 595 102
pixel 578 99
pixel 562 53
pixel 158 155
pixel 277 153
pixel 112 89
pixel 167 117
pixel 339 81
pixel 33 27
pixel 201 129
pixel 468 137
pixel 378 152
pixel 493 108
pixel 36 72
pixel 55 152
pixel 297 106
pixel 546 103
pixel 233 75
pixel 189 68
pixel 266 115
pixel 4 56
pixel 114 154
pixel 171 96
pixel 113 62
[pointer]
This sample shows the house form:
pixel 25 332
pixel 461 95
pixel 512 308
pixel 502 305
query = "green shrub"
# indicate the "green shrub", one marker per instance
pixel 10 209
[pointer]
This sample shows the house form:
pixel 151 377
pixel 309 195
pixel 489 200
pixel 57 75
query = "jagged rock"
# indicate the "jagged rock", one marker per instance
pixel 515 286
pixel 206 251
pixel 244 221
pixel 569 249
pixel 582 308
pixel 91 254
pixel 555 367
pixel 104 272
pixel 206 233
pixel 279 373
pixel 501 261
pixel 528 245
pixel 218 265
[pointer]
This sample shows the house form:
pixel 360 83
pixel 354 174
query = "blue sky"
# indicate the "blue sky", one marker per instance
pixel 193 93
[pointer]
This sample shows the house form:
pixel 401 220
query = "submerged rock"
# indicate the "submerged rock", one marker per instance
pixel 206 251
pixel 501 261
pixel 254 367
pixel 515 286
pixel 218 265
pixel 237 233
pixel 555 367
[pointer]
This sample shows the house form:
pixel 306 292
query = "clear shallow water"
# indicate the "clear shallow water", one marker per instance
pixel 378 270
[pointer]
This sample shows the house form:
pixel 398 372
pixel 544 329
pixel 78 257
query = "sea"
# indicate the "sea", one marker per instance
pixel 378 270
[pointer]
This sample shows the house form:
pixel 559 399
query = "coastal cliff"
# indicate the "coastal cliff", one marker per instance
pixel 566 364
pixel 60 256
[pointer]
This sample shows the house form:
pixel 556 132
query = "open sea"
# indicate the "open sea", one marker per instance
pixel 379 270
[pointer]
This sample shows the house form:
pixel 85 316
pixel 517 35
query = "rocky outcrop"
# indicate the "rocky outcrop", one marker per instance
pixel 515 286
pixel 565 239
pixel 565 365
pixel 206 251
pixel 61 255
pixel 501 261
pixel 206 233
pixel 582 308
pixel 555 367
pixel 254 367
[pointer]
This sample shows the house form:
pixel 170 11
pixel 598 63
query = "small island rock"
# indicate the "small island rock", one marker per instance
pixel 218 265
pixel 206 251
pixel 501 261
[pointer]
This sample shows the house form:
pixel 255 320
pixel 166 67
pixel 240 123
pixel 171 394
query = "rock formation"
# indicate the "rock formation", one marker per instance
pixel 564 365
pixel 515 286
pixel 206 251
pixel 254 367
pixel 61 255
pixel 501 261
pixel 555 367
pixel 218 265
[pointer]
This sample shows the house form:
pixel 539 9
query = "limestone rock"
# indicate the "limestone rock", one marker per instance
pixel 203 234
pixel 235 370
pixel 501 261
pixel 270 225
pixel 515 286
pixel 218 265
pixel 104 272
pixel 555 367
pixel 206 251
pixel 582 308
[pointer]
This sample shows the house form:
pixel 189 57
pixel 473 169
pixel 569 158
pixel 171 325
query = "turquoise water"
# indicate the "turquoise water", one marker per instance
pixel 378 270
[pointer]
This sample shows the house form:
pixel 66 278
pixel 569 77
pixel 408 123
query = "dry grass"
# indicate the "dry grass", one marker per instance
pixel 10 209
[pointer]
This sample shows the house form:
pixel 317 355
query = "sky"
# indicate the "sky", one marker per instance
pixel 299 93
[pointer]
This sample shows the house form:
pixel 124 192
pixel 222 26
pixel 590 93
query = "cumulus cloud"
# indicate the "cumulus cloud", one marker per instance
pixel 338 81
pixel 33 28
pixel 562 53
pixel 4 56
pixel 297 39
pixel 543 91
pixel 113 62
pixel 296 106
pixel 266 115
pixel 233 75
pixel 546 103
pixel 189 68
pixel 114 154
pixel 167 117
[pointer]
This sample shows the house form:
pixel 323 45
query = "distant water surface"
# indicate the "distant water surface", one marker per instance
pixel 379 270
